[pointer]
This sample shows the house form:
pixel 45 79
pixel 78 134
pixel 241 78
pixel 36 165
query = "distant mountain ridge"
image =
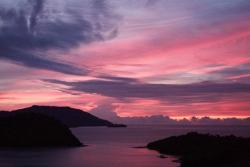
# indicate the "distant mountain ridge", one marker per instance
pixel 106 112
pixel 71 117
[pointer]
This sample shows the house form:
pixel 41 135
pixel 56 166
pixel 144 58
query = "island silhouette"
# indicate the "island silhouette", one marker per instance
pixel 34 130
pixel 45 126
pixel 205 150
pixel 71 117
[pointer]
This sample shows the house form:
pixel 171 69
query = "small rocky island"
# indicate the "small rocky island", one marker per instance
pixel 34 130
pixel 204 150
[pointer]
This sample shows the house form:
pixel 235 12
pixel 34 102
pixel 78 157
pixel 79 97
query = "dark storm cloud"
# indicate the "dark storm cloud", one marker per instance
pixel 199 92
pixel 26 35
pixel 37 8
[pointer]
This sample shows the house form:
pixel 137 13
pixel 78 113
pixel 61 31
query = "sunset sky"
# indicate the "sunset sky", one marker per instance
pixel 178 58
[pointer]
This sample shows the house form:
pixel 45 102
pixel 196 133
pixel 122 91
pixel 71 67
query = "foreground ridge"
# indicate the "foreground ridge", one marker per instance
pixel 35 130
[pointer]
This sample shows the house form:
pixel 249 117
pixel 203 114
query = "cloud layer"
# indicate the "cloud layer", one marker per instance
pixel 28 32
pixel 185 93
pixel 136 57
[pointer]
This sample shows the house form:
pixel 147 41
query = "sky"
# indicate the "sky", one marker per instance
pixel 174 58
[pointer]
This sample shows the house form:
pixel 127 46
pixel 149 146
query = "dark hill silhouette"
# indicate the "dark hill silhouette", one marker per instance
pixel 204 150
pixel 67 115
pixel 4 113
pixel 34 130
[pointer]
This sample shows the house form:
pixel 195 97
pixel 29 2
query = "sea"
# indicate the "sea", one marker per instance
pixel 111 147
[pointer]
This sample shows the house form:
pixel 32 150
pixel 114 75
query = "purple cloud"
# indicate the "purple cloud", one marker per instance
pixel 197 92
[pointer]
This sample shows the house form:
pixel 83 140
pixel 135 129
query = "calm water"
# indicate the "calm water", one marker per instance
pixel 109 147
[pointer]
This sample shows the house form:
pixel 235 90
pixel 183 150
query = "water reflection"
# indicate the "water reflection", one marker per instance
pixel 91 156
pixel 108 147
